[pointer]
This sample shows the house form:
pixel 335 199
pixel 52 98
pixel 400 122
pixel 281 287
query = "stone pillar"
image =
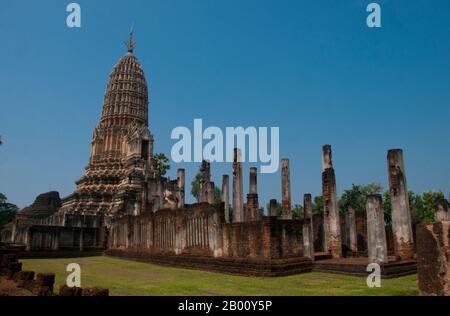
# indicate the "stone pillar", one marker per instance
pixel 13 233
pixel 81 239
pixel 55 244
pixel 401 214
pixel 226 196
pixel 29 239
pixel 441 210
pixel 286 189
pixel 351 229
pixel 238 194
pixel 253 213
pixel 376 231
pixel 273 208
pixel 331 220
pixel 433 259
pixel 210 193
pixel 204 181
pixel 181 179
pixel 327 161
pixel 214 234
pixel 253 181
pixel 308 237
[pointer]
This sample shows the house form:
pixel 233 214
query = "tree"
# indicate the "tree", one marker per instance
pixel 7 211
pixel 429 200
pixel 195 188
pixel 318 205
pixel 421 206
pixel 357 196
pixel 387 207
pixel 160 164
pixel 297 211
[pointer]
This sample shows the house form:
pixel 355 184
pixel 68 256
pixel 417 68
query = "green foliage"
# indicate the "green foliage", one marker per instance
pixel 357 195
pixel 297 211
pixel 195 185
pixel 421 206
pixel 195 188
pixel 318 205
pixel 161 164
pixel 387 207
pixel 217 195
pixel 7 210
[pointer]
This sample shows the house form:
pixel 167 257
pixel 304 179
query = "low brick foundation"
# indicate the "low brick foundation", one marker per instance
pixel 239 266
pixel 358 266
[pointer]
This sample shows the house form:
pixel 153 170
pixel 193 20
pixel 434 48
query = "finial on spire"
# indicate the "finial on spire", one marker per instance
pixel 131 45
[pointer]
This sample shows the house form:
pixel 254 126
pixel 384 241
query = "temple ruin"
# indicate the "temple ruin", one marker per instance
pixel 122 207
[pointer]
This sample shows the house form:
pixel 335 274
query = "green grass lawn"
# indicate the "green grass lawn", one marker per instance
pixel 123 277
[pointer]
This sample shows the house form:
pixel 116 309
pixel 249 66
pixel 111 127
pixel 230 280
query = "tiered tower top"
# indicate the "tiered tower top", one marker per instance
pixel 126 97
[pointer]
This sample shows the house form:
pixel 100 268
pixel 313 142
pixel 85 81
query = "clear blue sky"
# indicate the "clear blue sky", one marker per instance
pixel 313 68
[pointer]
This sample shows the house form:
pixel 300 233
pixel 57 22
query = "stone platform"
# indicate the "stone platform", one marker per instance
pixel 60 254
pixel 358 266
pixel 238 266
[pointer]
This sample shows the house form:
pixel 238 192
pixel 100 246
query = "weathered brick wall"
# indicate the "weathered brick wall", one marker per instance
pixel 361 232
pixel 63 238
pixel 270 239
pixel 318 233
pixel 433 259
pixel 193 230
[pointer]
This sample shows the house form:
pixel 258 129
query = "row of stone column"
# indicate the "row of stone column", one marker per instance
pixel 241 212
pixel 401 215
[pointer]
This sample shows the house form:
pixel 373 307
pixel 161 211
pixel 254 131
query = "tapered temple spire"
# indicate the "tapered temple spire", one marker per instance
pixel 131 45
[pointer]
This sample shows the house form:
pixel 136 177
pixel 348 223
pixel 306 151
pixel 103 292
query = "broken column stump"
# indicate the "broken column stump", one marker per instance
pixel 44 284
pixel 64 290
pixel 433 259
pixel 95 292
pixel 10 265
pixel 24 278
